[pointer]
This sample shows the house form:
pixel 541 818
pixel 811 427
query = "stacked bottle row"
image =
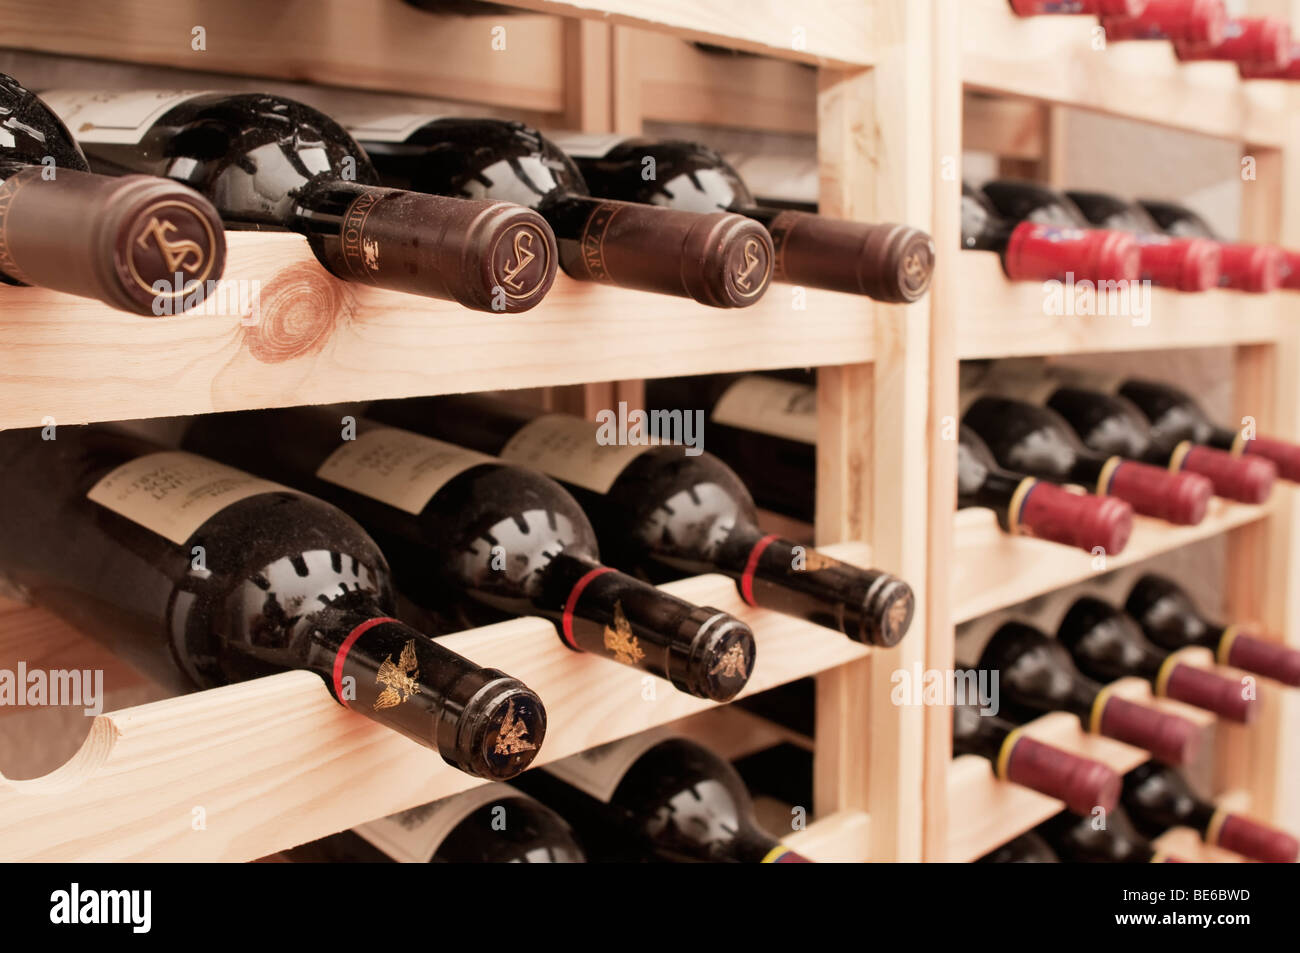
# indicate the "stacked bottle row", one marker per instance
pixel 1199 30
pixel 1042 235
pixel 1026 434
pixel 211 563
pixel 479 211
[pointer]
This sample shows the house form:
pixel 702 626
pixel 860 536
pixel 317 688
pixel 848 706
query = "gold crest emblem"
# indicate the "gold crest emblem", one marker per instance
pixel 751 263
pixel 620 640
pixel 176 253
pixel 513 736
pixel 399 680
pixel 731 664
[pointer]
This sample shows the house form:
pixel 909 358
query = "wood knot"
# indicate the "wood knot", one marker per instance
pixel 297 312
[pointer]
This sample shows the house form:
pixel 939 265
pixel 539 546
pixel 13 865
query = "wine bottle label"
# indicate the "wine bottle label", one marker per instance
pixel 397 467
pixel 174 493
pixel 413 836
pixel 770 406
pixel 599 770
pixel 118 117
pixel 394 127
pixel 568 448
pixel 586 145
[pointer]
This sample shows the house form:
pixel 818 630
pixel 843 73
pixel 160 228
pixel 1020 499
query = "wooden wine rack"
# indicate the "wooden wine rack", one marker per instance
pixel 274 762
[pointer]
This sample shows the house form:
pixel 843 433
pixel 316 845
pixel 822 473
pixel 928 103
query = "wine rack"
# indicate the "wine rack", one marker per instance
pixel 886 86
pixel 1001 82
pixel 275 762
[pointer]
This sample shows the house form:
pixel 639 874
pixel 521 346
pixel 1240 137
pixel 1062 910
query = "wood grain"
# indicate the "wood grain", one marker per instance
pixel 321 340
pixel 274 762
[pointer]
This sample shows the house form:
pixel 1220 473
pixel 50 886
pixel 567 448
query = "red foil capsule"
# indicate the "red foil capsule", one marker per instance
pixel 1180 498
pixel 1082 520
pixel 1044 252
pixel 1205 689
pixel 1291 265
pixel 1285 456
pixel 1244 479
pixel 1261 656
pixel 1169 738
pixel 1290 71
pixel 1197 22
pixel 1083 784
pixel 1187 264
pixel 1252 839
pixel 1259 41
pixel 1256 268
pixel 1033 8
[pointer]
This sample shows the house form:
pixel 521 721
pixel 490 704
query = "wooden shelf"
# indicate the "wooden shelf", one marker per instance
pixel 276 761
pixel 984 812
pixel 321 340
pixel 1002 318
pixel 992 570
pixel 828 32
pixel 1053 59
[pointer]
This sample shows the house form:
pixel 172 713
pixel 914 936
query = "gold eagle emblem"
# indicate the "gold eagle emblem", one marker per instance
pixel 513 736
pixel 620 641
pixel 399 680
pixel 731 664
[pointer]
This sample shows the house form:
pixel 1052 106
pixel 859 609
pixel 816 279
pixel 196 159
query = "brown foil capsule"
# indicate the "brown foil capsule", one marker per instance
pixel 488 256
pixel 891 263
pixel 139 243
pixel 1081 783
pixel 718 258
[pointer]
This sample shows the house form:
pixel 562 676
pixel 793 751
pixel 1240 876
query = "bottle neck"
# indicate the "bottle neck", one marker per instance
pixel 773 572
pixel 998 490
pixel 700 650
pixel 478 719
pixel 977 734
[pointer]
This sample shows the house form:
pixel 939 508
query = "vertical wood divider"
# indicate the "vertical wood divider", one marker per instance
pixel 875 151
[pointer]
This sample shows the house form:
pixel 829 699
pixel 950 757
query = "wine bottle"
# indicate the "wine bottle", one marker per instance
pixel 1108 839
pixel 1170 619
pixel 1187 264
pixel 200 575
pixel 765 428
pixel 269 162
pixel 1033 8
pixel 719 258
pixel 1291 72
pixel 653 795
pixel 1035 440
pixel 141 244
pixel 1048 245
pixel 1028 848
pixel 1254 41
pixel 887 262
pixel 1157 798
pixel 489 824
pixel 469 534
pixel 1193 22
pixel 669 510
pixel 1083 784
pixel 1037 676
pixel 1243 267
pixel 1175 415
pixel 1107 644
pixel 1110 424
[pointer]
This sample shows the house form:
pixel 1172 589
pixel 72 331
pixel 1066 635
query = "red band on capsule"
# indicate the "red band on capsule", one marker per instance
pixel 566 622
pixel 751 564
pixel 342 655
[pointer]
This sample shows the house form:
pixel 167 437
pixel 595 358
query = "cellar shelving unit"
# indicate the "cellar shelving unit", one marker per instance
pixel 1000 83
pixel 275 761
pixel 890 87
